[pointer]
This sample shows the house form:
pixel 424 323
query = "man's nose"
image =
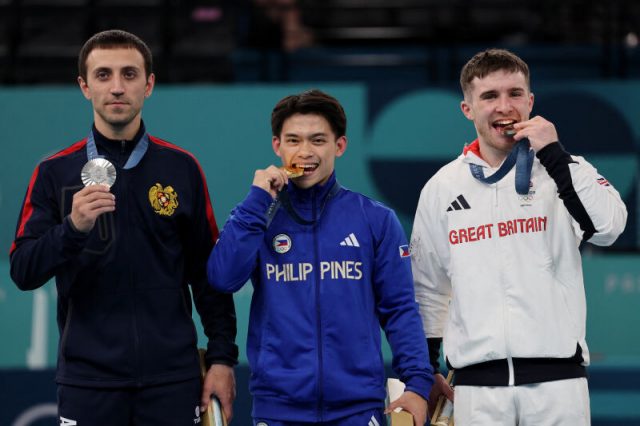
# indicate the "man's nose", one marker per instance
pixel 305 149
pixel 504 104
pixel 117 88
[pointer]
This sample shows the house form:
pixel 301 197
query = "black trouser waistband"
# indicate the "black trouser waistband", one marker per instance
pixel 525 371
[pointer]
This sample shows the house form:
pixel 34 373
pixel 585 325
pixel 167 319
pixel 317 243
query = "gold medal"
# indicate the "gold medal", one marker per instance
pixel 293 172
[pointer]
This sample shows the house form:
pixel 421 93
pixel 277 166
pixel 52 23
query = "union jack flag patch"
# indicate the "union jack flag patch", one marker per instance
pixel 602 181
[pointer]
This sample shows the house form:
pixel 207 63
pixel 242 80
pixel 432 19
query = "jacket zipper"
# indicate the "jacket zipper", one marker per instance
pixel 132 284
pixel 318 310
pixel 505 310
pixel 134 317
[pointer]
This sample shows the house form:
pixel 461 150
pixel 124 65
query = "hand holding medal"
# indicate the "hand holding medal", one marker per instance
pixel 97 175
pixel 273 179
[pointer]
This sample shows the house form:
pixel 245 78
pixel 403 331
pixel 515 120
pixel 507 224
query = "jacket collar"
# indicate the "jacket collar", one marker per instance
pixel 305 199
pixel 117 151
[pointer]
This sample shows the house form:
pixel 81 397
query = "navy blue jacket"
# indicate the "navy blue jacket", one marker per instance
pixel 124 306
pixel 324 283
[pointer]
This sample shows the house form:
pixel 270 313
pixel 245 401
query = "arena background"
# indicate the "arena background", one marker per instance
pixel 394 65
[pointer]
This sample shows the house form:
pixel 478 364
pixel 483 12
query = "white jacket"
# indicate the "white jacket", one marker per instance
pixel 498 275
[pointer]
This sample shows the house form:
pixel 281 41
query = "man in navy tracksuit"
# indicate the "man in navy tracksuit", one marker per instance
pixel 123 258
pixel 329 266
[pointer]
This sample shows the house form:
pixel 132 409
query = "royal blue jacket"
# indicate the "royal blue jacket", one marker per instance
pixel 124 306
pixel 329 267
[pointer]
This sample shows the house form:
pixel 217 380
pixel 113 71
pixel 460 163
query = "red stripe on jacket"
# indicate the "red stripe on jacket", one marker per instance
pixel 210 216
pixel 27 208
pixel 473 147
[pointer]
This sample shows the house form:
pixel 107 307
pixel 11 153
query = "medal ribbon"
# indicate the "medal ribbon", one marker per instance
pixel 520 156
pixel 283 200
pixel 133 160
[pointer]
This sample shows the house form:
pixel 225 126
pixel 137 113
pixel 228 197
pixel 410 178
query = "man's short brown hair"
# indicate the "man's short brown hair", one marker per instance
pixel 488 61
pixel 114 39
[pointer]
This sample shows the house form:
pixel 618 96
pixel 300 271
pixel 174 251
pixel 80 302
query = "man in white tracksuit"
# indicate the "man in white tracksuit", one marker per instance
pixel 496 261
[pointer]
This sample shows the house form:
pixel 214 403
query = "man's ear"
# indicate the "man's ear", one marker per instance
pixel 341 146
pixel 466 110
pixel 151 82
pixel 84 87
pixel 275 144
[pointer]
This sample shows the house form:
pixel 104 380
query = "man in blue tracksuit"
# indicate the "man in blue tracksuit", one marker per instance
pixel 125 257
pixel 329 267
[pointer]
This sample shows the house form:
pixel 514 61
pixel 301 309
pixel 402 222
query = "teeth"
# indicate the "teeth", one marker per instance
pixel 504 122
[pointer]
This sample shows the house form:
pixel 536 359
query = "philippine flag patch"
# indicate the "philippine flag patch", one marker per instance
pixel 404 251
pixel 281 243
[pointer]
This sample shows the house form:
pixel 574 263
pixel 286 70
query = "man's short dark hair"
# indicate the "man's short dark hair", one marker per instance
pixel 488 61
pixel 310 102
pixel 114 39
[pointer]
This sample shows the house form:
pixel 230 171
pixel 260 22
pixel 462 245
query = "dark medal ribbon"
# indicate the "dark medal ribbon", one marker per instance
pixel 283 200
pixel 522 157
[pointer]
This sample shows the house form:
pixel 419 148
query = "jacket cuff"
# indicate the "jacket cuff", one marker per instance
pixel 257 203
pixel 420 385
pixel 69 222
pixel 258 195
pixel 73 239
pixel 218 354
pixel 552 156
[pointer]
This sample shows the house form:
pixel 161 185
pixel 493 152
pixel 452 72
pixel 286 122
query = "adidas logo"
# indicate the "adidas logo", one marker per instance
pixel 373 422
pixel 350 241
pixel 459 204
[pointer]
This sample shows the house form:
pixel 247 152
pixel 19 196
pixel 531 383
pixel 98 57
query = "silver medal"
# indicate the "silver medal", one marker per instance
pixel 98 172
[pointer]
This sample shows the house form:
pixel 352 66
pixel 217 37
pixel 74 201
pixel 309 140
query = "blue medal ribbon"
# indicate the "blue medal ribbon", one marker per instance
pixel 520 156
pixel 133 160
